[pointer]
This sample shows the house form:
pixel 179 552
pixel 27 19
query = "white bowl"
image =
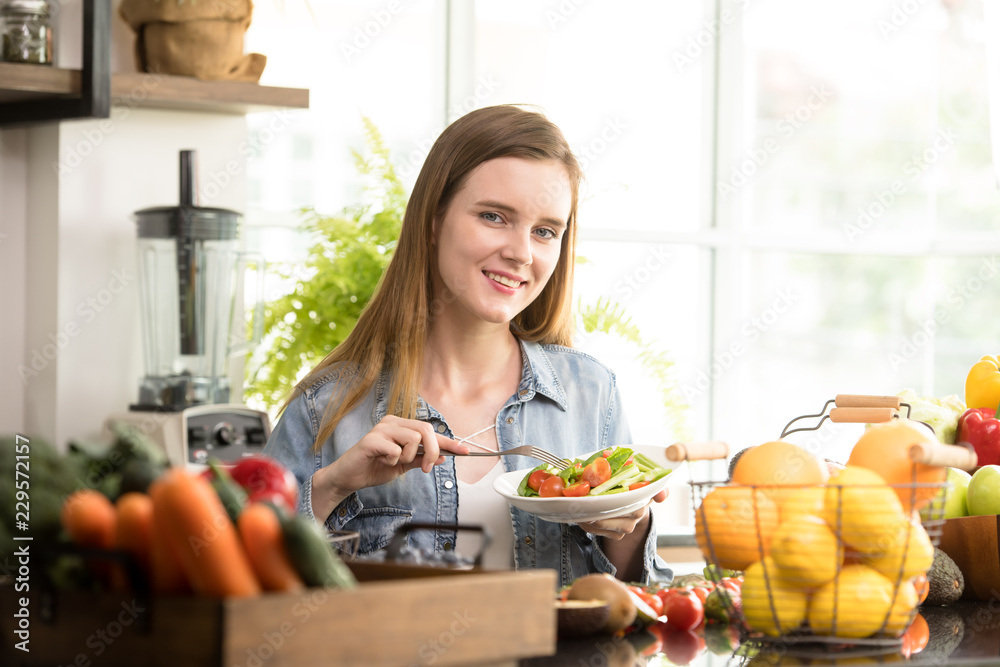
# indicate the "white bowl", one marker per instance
pixel 587 508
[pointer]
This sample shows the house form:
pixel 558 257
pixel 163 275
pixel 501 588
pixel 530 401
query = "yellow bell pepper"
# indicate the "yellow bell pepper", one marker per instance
pixel 982 385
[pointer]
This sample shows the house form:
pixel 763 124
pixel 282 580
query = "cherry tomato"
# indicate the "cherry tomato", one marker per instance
pixel 628 462
pixel 577 490
pixel 732 584
pixel 684 611
pixel 923 587
pixel 637 485
pixel 263 478
pixel 597 473
pixel 654 602
pixel 607 452
pixel 665 593
pixel 916 636
pixel 701 592
pixel 636 589
pixel 681 646
pixel 552 487
pixel 536 478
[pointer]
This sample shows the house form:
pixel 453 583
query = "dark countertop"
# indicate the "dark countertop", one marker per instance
pixel 967 633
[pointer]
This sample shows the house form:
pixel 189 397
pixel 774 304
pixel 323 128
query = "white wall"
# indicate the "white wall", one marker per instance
pixel 13 278
pixel 69 317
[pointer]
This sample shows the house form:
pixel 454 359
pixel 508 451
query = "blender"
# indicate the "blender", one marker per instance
pixel 188 262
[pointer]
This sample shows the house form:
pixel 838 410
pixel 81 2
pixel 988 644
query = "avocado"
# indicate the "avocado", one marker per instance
pixel 735 459
pixel 945 630
pixel 581 618
pixel 945 580
pixel 602 586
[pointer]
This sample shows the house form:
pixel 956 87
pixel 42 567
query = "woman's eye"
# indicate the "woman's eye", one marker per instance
pixel 490 216
pixel 546 233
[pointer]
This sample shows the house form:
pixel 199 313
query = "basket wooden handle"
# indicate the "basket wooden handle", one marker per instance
pixel 698 451
pixel 941 455
pixel 862 415
pixel 864 401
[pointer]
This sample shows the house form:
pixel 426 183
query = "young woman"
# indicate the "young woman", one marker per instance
pixel 468 337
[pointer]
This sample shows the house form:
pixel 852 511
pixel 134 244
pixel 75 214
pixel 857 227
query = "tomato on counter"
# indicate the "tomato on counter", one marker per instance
pixel 680 646
pixel 684 610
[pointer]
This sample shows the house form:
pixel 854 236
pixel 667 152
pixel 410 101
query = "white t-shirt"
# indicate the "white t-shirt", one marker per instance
pixel 480 505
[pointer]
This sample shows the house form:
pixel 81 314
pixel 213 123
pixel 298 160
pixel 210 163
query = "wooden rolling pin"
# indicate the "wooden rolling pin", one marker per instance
pixel 698 451
pixel 866 401
pixel 941 455
pixel 862 415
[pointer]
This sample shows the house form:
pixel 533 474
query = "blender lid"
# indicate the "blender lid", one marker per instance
pixel 194 222
pixel 188 220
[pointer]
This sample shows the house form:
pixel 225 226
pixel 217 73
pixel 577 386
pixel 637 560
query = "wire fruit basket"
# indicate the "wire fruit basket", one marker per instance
pixel 832 564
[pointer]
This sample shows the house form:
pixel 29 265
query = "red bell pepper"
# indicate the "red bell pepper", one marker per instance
pixel 980 427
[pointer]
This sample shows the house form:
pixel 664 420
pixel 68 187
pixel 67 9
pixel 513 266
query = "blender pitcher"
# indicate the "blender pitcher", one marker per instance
pixel 188 263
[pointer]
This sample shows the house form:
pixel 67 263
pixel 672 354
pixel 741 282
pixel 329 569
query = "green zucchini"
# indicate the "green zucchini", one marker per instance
pixel 312 556
pixel 232 495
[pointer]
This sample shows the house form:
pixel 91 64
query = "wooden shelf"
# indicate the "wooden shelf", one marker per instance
pixel 21 82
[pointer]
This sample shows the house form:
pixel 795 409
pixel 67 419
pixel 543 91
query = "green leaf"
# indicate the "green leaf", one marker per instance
pixel 348 255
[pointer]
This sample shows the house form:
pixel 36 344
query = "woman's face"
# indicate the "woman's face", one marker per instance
pixel 499 239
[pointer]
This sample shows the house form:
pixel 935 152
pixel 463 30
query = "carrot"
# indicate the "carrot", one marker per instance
pixel 134 528
pixel 89 518
pixel 260 530
pixel 167 572
pixel 196 525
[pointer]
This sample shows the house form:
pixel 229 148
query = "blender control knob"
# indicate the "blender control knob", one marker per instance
pixel 224 433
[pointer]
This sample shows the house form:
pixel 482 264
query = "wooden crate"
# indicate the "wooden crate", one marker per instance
pixel 398 616
pixel 973 542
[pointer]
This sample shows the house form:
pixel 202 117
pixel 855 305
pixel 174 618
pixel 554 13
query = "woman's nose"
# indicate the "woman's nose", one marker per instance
pixel 517 247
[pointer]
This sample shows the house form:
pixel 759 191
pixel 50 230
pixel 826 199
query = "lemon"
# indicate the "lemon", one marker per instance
pixel 909 553
pixel 734 525
pixel 862 509
pixel 771 604
pixel 903 608
pixel 862 598
pixel 805 500
pixel 806 551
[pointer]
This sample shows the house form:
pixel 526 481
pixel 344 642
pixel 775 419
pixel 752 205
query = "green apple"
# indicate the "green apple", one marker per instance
pixel 955 497
pixel 951 502
pixel 984 491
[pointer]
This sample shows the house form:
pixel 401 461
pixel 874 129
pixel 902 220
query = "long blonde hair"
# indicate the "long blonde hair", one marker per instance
pixel 391 330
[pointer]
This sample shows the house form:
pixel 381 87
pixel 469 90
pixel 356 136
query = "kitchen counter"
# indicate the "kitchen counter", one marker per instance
pixel 977 642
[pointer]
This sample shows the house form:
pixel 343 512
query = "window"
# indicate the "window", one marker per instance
pixel 792 199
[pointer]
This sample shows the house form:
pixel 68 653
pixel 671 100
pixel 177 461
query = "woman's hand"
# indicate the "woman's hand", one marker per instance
pixel 383 454
pixel 620 526
pixel 623 538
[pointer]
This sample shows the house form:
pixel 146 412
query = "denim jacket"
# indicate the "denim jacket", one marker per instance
pixel 566 402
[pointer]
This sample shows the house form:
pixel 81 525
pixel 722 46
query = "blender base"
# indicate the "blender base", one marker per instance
pixel 192 435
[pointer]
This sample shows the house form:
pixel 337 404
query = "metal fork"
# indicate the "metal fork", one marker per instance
pixel 523 450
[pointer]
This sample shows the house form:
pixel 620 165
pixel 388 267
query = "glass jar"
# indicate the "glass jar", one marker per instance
pixel 27 35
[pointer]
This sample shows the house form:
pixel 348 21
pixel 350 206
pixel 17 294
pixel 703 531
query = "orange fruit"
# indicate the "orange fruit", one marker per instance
pixel 885 449
pixel 922 586
pixel 734 526
pixel 916 636
pixel 779 464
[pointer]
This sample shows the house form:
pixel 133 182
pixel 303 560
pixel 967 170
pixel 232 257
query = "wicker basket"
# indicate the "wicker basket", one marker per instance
pixel 824 566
